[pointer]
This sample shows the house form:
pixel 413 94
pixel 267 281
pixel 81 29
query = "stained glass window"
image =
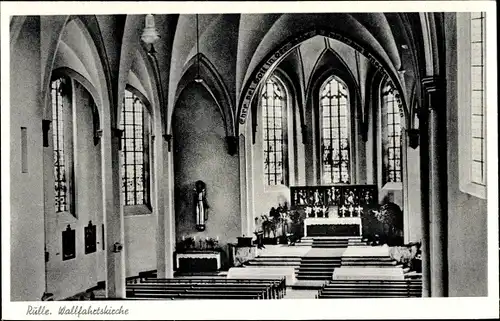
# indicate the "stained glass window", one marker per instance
pixel 334 123
pixel 135 151
pixel 60 168
pixel 391 129
pixel 478 97
pixel 273 102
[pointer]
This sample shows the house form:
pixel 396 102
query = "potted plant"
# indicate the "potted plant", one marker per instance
pixel 391 216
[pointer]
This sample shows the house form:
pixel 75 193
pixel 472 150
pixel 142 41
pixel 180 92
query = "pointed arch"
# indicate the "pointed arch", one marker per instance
pixel 104 98
pixel 280 51
pixel 214 84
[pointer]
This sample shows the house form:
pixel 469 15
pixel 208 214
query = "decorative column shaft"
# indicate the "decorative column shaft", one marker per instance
pixel 113 218
pixel 437 169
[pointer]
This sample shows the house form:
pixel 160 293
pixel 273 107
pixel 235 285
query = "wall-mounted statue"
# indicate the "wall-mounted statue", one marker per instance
pixel 201 205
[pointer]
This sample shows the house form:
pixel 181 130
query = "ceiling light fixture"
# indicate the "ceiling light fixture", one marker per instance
pixel 150 35
pixel 198 78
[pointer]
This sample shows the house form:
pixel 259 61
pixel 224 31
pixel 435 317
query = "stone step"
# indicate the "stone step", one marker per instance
pixel 318 267
pixel 313 277
pixel 373 258
pixel 309 284
pixel 332 238
pixel 321 262
pixel 269 259
pixel 272 264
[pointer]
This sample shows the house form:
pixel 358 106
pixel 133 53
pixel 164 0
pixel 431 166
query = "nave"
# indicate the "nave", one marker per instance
pixel 249 156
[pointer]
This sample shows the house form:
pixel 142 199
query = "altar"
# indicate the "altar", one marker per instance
pixel 198 261
pixel 333 226
pixel 335 210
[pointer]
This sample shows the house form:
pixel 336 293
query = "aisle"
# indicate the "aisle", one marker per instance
pixel 300 294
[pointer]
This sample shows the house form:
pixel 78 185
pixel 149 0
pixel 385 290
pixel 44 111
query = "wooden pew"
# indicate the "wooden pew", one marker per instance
pixel 209 288
pixel 278 286
pixel 221 290
pixel 371 288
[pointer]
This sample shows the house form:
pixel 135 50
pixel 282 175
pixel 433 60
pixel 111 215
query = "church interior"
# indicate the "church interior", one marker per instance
pixel 248 156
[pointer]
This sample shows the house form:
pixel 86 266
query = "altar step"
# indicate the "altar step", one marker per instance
pixel 332 241
pixel 317 268
pixel 293 261
pixel 367 261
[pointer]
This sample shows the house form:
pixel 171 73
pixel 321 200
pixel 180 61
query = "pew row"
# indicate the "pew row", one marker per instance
pixel 371 289
pixel 213 288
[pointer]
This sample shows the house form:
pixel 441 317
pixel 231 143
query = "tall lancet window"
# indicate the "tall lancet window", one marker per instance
pixel 471 89
pixel 62 141
pixel 334 111
pixel 391 135
pixel 273 101
pixel 135 151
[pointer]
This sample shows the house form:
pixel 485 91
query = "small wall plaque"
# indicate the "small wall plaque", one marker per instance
pixel 68 244
pixel 90 238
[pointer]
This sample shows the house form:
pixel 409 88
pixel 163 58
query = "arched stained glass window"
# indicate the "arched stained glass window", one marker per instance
pixel 391 140
pixel 62 141
pixel 273 101
pixel 135 151
pixel 61 186
pixel 334 110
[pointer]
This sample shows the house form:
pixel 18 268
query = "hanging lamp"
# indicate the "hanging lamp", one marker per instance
pixel 198 78
pixel 149 34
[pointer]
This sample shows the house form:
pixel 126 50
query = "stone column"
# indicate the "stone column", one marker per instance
pixel 437 171
pixel 166 218
pixel 424 201
pixel 113 215
pixel 160 180
pixel 404 180
pixel 244 214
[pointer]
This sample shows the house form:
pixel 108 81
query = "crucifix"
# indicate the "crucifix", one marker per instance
pixel 359 209
pixel 342 210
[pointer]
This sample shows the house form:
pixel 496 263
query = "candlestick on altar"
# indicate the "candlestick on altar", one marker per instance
pixel 351 209
pixel 359 209
pixel 343 209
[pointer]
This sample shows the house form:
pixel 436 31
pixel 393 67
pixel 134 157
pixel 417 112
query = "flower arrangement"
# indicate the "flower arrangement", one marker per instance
pixel 409 255
pixel 191 243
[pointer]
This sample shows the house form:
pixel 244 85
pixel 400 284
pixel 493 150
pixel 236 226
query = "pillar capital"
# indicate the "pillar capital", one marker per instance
pixel 432 83
pixel 413 137
pixel 232 145
pixel 433 87
pixel 168 139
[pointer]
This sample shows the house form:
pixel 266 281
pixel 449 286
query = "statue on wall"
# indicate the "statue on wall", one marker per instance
pixel 201 205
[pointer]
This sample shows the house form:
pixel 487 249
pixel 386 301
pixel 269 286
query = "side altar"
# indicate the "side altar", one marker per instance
pixel 335 210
